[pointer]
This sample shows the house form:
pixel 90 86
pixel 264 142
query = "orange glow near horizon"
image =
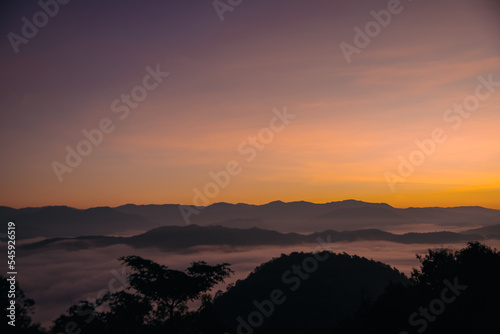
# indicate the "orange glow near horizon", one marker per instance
pixel 353 121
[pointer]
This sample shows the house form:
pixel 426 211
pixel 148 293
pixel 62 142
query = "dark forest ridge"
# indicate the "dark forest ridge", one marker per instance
pixel 182 238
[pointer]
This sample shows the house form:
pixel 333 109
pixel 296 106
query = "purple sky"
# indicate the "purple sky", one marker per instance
pixel 353 120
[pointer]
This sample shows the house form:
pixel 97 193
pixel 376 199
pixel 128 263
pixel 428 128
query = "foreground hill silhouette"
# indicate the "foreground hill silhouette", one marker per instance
pixel 311 291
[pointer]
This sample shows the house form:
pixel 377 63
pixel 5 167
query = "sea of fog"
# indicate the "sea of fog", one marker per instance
pixel 57 279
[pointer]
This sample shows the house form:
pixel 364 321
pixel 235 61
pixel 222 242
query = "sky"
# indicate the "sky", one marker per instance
pixel 190 101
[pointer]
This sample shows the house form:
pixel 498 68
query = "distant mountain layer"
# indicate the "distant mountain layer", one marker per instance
pixel 489 232
pixel 309 217
pixel 58 221
pixel 303 217
pixel 176 238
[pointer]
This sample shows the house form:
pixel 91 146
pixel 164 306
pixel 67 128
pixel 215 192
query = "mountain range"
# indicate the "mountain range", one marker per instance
pixel 298 217
pixel 185 238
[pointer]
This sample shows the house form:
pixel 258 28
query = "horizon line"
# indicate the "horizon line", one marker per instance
pixel 250 204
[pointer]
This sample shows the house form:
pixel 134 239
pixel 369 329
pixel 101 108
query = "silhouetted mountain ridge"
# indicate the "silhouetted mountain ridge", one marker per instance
pixel 177 238
pixel 62 221
pixel 490 232
pixel 300 217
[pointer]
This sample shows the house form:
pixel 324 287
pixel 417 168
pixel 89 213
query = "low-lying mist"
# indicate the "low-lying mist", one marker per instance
pixel 57 279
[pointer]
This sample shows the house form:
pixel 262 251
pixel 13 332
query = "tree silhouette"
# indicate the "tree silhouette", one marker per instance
pixel 128 313
pixel 451 292
pixel 80 317
pixel 155 301
pixel 169 290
